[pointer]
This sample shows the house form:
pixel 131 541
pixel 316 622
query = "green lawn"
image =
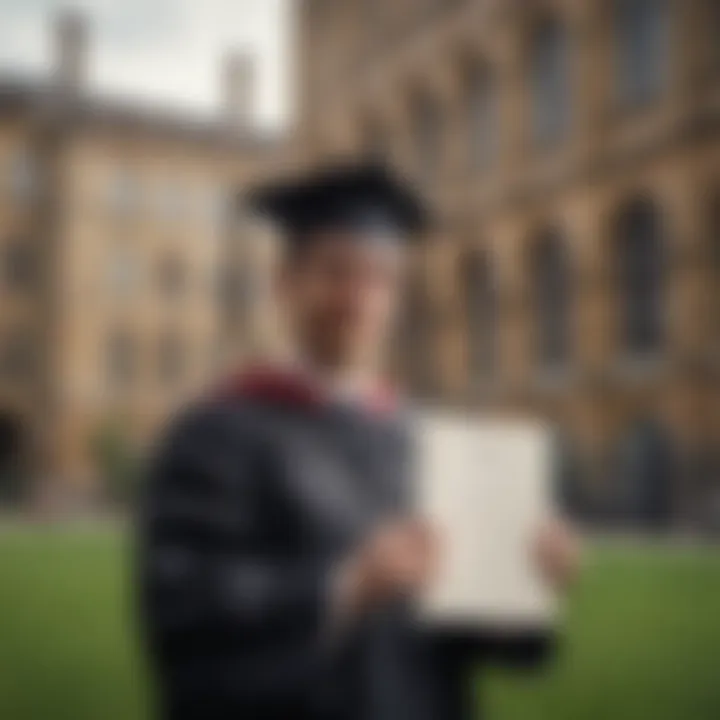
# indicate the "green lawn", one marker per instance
pixel 643 637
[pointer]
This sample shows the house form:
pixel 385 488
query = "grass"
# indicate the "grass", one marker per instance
pixel 67 647
pixel 642 637
pixel 642 643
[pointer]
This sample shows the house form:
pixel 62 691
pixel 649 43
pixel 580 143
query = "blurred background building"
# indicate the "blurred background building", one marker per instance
pixel 127 281
pixel 573 152
pixel 571 149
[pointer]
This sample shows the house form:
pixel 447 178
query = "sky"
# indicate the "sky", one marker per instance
pixel 161 51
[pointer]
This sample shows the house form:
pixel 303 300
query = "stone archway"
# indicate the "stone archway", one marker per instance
pixel 646 461
pixel 569 475
pixel 12 441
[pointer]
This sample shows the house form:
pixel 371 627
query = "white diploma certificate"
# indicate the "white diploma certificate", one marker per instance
pixel 486 487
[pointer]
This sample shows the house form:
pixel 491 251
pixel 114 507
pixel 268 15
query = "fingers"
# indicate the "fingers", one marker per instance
pixel 398 559
pixel 557 552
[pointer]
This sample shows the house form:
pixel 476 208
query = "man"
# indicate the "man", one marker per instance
pixel 281 557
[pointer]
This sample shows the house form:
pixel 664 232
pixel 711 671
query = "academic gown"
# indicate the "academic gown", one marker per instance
pixel 254 499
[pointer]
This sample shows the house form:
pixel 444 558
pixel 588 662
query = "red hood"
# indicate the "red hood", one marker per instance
pixel 285 387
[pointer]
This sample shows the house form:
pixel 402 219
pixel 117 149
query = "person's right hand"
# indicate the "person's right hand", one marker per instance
pixel 398 560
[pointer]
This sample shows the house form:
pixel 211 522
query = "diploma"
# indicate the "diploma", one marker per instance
pixel 486 487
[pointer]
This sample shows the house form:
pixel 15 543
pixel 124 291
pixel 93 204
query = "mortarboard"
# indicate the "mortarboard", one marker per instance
pixel 366 199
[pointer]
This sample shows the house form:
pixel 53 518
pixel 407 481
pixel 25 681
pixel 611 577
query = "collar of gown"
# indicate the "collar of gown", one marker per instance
pixel 295 385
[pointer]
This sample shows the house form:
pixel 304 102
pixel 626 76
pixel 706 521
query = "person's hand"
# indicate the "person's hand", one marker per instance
pixel 397 560
pixel 558 552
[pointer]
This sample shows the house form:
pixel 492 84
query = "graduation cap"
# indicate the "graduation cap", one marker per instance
pixel 365 200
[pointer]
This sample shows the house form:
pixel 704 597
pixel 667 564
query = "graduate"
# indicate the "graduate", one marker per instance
pixel 280 554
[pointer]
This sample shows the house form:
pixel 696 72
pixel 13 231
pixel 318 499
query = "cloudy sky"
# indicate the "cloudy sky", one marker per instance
pixel 166 51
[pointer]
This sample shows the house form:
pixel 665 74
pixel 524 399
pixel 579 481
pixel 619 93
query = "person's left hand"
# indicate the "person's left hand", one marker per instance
pixel 557 552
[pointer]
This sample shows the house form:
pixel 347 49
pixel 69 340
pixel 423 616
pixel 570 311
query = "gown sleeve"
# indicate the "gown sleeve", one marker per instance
pixel 457 655
pixel 213 575
pixel 527 650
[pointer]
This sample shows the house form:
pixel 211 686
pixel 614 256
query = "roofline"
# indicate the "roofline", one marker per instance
pixel 46 102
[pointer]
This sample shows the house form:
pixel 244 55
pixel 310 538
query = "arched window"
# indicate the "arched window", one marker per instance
pixel 713 24
pixel 173 277
pixel 217 207
pixel 703 477
pixel 480 298
pixel 374 21
pixel 241 289
pixel 173 201
pixel 551 291
pixel 12 442
pixel 550 82
pixel 428 125
pixel 121 358
pixel 639 273
pixel 123 271
pixel 374 140
pixel 715 262
pixel 482 117
pixel 125 195
pixel 19 266
pixel 414 338
pixel 646 468
pixel 642 42
pixel 171 358
pixel 17 355
pixel 568 474
pixel 22 175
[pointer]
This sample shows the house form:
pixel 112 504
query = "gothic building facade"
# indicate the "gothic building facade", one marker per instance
pixel 125 282
pixel 572 151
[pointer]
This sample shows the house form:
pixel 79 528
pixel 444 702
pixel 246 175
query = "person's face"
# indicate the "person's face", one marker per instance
pixel 341 295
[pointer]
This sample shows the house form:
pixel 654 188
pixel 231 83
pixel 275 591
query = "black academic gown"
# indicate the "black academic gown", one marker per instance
pixel 254 499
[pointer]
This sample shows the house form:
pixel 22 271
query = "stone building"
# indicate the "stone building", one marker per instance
pixel 572 150
pixel 124 282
